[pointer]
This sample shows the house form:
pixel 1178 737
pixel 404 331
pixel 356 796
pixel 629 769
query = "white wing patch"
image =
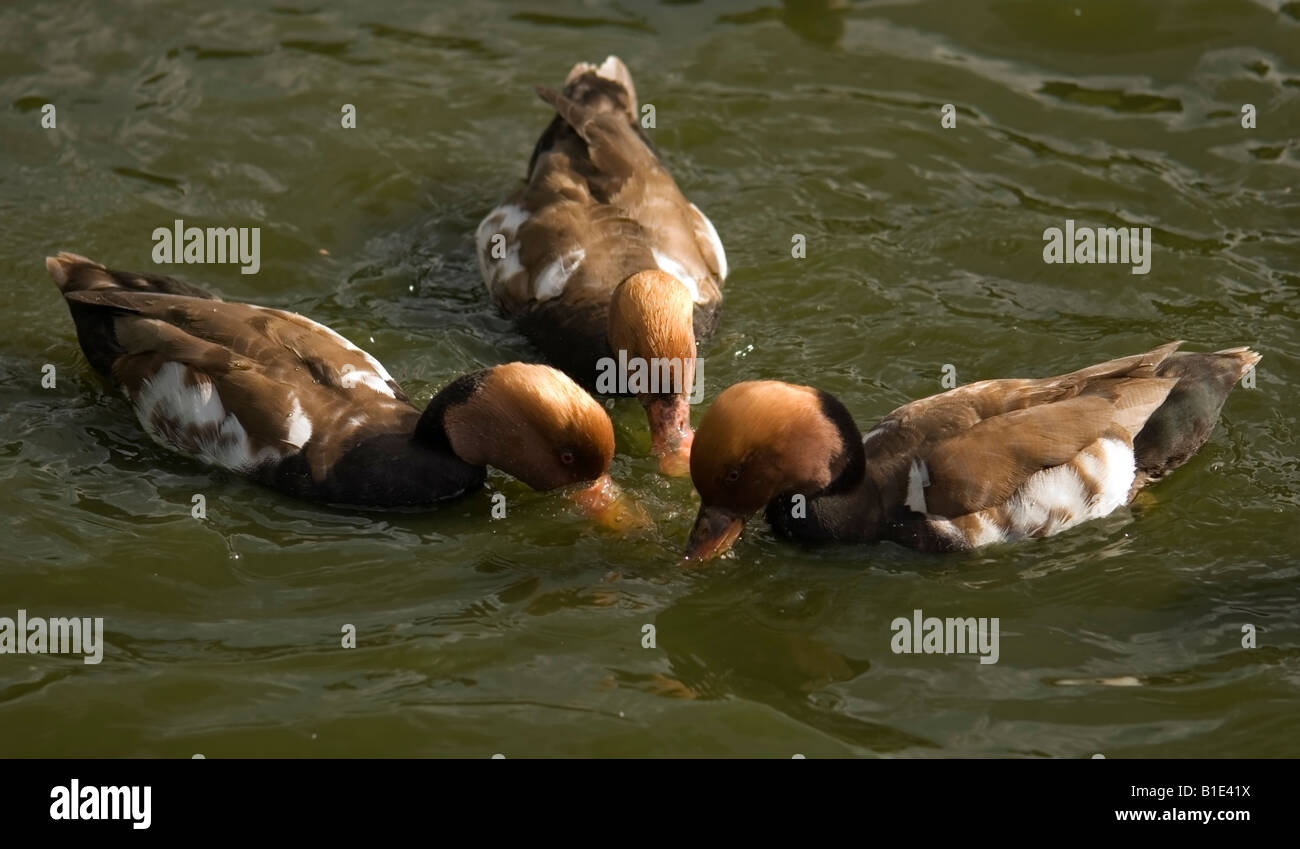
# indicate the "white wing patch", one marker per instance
pixel 676 269
pixel 714 242
pixel 351 377
pixel 551 282
pixel 918 478
pixel 299 426
pixel 376 378
pixel 498 271
pixel 878 430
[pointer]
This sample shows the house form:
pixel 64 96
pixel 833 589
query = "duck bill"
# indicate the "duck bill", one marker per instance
pixel 714 533
pixel 670 433
pixel 609 506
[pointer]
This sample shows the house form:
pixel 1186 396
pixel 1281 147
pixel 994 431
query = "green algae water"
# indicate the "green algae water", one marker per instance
pixel 1169 628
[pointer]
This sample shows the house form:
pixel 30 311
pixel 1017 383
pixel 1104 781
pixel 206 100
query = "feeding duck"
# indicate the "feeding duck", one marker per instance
pixel 992 461
pixel 288 402
pixel 600 253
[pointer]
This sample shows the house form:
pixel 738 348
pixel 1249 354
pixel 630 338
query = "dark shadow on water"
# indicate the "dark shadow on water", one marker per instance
pixel 818 21
pixel 718 650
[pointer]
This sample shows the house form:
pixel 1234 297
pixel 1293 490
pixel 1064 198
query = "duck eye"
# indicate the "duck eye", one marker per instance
pixel 733 476
pixel 566 458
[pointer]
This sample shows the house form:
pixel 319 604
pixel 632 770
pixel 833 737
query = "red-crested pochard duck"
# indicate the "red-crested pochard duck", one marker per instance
pixel 601 254
pixel 996 460
pixel 288 402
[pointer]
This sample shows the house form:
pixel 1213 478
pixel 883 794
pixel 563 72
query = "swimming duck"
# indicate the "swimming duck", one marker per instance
pixel 600 254
pixel 288 402
pixel 992 461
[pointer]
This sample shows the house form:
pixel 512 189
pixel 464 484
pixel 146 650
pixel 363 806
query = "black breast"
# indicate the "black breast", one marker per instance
pixel 387 471
pixel 573 337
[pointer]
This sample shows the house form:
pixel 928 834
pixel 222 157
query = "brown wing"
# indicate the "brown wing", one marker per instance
pixel 598 207
pixel 283 346
pixel 985 465
pixel 976 445
pixel 237 384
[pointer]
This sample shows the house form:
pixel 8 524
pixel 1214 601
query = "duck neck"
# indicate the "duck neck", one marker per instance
pixel 846 509
pixel 851 459
pixel 431 429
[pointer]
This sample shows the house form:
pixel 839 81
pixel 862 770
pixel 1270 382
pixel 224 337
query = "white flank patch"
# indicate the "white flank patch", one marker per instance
pixel 917 480
pixel 551 282
pixel 505 220
pixel 165 396
pixel 714 242
pixel 1059 489
pixel 189 405
pixel 232 449
pixel 676 269
pixel 1115 469
pixel 989 532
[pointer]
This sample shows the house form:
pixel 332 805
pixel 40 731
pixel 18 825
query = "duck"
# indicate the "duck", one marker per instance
pixel 601 261
pixel 290 403
pixel 989 462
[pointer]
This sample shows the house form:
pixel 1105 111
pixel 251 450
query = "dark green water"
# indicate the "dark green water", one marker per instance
pixel 524 636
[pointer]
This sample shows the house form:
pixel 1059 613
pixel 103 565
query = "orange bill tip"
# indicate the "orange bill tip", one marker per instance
pixel 610 507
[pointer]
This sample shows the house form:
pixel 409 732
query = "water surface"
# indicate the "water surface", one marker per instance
pixel 524 636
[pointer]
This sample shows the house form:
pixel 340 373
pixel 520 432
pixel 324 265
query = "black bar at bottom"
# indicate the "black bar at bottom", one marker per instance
pixel 326 797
